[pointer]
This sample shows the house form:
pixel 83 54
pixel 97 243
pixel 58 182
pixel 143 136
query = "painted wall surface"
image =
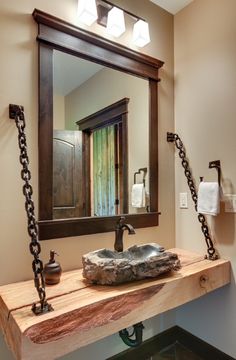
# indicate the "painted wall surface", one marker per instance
pixel 58 112
pixel 19 85
pixel 205 115
pixel 103 89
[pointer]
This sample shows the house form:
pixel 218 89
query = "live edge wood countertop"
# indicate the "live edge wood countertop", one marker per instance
pixel 85 313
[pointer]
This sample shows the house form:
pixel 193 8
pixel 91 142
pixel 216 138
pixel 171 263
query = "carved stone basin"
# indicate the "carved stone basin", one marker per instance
pixel 108 267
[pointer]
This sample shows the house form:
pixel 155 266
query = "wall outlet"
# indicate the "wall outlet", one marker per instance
pixel 183 200
pixel 230 203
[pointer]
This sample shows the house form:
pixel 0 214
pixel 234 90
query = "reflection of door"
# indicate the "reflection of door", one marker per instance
pixel 109 194
pixel 105 187
pixel 67 174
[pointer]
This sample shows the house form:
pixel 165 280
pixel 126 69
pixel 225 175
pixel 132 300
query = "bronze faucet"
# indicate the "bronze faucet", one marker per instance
pixel 119 230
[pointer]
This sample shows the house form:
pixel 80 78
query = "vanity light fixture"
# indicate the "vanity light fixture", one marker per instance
pixel 141 36
pixel 115 22
pixel 112 17
pixel 87 11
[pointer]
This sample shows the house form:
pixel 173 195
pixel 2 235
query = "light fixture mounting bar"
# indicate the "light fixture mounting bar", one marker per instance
pixel 136 17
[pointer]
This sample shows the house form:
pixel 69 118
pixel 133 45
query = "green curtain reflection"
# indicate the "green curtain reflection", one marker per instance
pixel 104 171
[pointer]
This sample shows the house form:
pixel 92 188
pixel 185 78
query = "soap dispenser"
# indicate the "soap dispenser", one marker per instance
pixel 52 270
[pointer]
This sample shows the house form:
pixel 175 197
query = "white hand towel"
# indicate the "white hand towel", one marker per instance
pixel 208 198
pixel 138 196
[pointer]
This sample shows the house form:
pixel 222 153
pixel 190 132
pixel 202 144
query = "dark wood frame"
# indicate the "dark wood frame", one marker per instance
pixel 54 33
pixel 114 114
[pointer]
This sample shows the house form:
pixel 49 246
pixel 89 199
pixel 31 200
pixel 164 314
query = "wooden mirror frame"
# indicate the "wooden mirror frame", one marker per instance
pixel 54 33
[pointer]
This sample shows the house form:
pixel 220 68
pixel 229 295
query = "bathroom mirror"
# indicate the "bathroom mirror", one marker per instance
pixel 115 124
pixel 97 129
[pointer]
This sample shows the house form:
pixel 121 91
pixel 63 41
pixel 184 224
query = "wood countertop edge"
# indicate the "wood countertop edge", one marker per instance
pixel 110 309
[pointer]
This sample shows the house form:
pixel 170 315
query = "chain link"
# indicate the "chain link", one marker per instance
pixel 188 174
pixel 34 246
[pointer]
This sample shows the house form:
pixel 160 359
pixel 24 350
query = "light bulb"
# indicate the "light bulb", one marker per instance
pixel 115 22
pixel 87 11
pixel 141 35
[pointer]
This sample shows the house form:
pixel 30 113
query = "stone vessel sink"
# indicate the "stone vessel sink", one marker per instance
pixel 108 267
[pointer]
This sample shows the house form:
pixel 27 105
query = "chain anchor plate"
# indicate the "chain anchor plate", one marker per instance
pixel 16 112
pixel 211 251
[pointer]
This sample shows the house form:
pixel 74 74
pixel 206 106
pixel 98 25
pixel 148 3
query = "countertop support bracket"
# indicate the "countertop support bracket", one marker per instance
pixel 174 138
pixel 16 112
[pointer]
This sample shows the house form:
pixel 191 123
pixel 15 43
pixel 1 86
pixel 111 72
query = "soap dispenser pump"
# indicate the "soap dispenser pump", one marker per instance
pixel 52 270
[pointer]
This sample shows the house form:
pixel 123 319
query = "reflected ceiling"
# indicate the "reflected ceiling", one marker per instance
pixel 69 72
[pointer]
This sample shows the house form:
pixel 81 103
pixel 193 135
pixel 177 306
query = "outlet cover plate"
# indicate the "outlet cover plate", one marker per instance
pixel 183 200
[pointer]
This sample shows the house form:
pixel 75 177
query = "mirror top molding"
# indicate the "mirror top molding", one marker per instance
pixel 50 27
pixel 57 34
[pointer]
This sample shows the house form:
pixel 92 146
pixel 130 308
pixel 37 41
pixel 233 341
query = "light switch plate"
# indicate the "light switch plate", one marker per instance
pixel 230 203
pixel 183 200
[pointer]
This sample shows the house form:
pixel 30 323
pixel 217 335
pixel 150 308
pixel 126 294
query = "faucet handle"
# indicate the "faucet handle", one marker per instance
pixel 121 221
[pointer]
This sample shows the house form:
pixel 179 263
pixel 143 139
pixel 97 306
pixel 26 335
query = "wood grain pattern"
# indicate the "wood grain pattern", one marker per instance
pixel 84 314
pixel 45 126
pixel 90 316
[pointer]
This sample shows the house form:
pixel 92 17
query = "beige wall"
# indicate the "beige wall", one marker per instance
pixel 58 112
pixel 105 88
pixel 205 115
pixel 18 74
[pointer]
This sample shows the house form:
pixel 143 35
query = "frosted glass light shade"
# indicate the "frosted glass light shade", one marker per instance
pixel 87 11
pixel 141 36
pixel 115 22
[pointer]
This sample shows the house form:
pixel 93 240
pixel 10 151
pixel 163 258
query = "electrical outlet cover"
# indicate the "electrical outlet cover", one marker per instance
pixel 183 200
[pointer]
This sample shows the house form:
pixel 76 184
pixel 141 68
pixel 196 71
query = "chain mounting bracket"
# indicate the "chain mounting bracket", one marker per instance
pixel 16 112
pixel 39 310
pixel 174 138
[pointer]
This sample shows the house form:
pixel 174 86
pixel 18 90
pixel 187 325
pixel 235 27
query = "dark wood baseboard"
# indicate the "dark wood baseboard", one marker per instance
pixel 175 334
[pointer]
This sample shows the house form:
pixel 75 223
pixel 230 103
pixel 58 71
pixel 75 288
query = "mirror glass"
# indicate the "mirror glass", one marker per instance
pixel 100 140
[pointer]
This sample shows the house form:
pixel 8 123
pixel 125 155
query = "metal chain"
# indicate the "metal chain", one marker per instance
pixel 34 246
pixel 188 174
